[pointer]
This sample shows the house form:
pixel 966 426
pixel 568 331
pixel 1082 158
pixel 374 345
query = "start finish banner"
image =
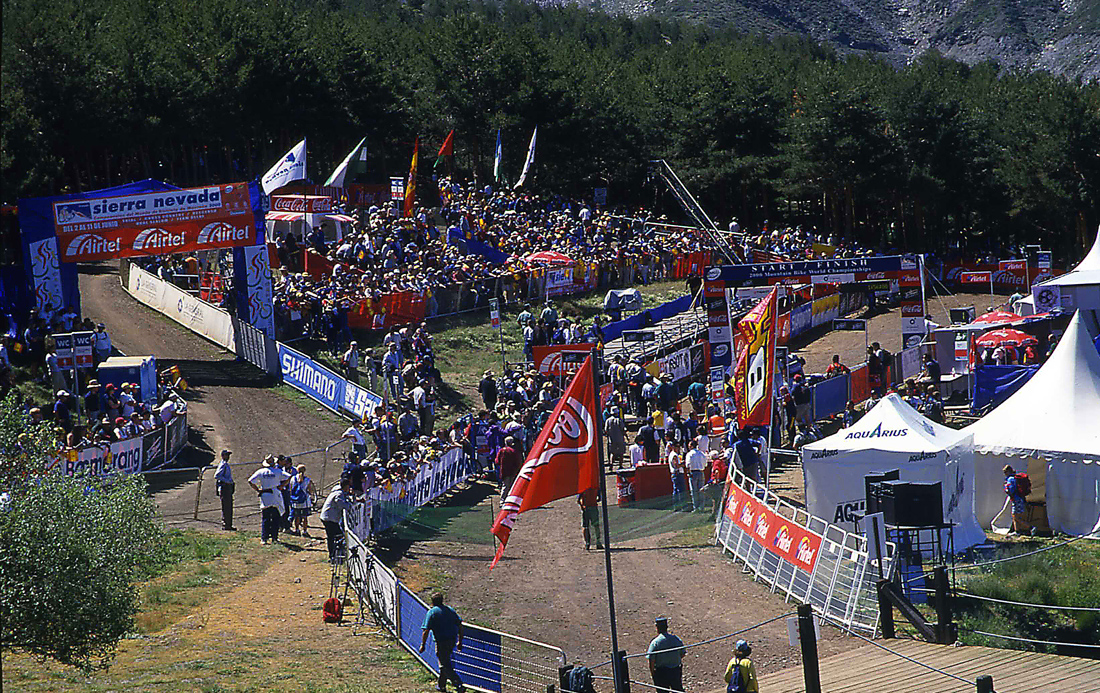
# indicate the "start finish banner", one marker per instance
pixel 155 223
pixel 790 541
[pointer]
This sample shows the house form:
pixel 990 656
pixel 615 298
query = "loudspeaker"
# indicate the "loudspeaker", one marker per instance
pixel 911 503
pixel 870 490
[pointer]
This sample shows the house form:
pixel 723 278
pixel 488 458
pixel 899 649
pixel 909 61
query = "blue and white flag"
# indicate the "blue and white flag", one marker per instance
pixel 355 163
pixel 289 168
pixel 530 159
pixel 497 156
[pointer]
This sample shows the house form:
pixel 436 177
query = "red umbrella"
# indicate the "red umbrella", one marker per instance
pixel 997 317
pixel 1007 337
pixel 549 257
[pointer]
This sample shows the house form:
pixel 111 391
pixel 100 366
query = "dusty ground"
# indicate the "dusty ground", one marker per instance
pixel 547 587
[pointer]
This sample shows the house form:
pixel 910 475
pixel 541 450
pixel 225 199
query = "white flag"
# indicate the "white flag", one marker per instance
pixel 291 167
pixel 497 156
pixel 530 159
pixel 355 162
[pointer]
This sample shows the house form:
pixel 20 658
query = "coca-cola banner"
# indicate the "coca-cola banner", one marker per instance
pixel 310 204
pixel 155 223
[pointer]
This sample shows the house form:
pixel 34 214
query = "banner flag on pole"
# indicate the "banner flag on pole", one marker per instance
pixel 410 185
pixel 754 372
pixel 354 164
pixel 289 168
pixel 448 149
pixel 530 159
pixel 497 156
pixel 563 461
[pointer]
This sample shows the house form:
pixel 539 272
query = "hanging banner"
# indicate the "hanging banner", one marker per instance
pixel 560 359
pixel 155 223
pixel 753 375
pixel 976 277
pixel 911 301
pixel 308 204
pixel 790 541
pixel 46 273
pixel 257 304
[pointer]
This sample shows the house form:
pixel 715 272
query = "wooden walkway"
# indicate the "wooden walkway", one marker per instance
pixel 869 669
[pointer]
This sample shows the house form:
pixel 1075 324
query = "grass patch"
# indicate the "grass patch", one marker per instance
pixel 304 401
pixel 1065 576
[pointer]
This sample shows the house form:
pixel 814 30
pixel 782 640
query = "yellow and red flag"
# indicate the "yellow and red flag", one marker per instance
pixel 754 373
pixel 410 185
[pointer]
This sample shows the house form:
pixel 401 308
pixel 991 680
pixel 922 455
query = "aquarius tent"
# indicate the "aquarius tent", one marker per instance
pixel 1051 429
pixel 892 435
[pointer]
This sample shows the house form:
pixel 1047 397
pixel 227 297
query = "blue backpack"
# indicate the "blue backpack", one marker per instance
pixel 737 681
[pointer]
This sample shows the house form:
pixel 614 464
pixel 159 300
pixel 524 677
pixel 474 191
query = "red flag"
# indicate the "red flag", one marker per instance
pixel 563 461
pixel 448 149
pixel 754 375
pixel 410 186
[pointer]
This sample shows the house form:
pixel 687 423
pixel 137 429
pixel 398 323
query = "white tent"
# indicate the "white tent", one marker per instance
pixel 1049 428
pixel 1080 287
pixel 892 435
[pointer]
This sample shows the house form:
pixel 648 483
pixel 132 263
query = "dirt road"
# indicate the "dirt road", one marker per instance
pixel 230 404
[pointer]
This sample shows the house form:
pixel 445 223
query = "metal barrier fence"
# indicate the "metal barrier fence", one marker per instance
pixel 489 660
pixel 805 557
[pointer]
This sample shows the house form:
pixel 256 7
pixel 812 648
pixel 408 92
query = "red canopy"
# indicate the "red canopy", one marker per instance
pixel 997 317
pixel 549 257
pixel 1007 336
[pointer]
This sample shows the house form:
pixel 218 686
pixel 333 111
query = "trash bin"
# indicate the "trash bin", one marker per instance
pixel 624 485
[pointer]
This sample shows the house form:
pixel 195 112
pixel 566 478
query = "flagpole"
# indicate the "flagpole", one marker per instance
pixel 598 416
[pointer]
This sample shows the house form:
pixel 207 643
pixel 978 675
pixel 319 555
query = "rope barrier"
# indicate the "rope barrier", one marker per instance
pixel 1024 555
pixel 1037 606
pixel 948 674
pixel 707 642
pixel 1029 640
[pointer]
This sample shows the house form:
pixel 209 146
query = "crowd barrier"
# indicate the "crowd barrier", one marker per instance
pixel 489 661
pixel 322 385
pixel 132 456
pixel 802 556
pixel 190 311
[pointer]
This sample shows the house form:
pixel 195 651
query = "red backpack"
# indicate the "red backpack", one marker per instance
pixel 1023 484
pixel 332 611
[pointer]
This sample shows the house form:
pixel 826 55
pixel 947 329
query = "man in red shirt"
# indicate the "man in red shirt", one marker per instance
pixel 590 516
pixel 718 471
pixel 509 463
pixel 836 368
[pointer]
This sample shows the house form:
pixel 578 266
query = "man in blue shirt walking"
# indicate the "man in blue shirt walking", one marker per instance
pixel 446 627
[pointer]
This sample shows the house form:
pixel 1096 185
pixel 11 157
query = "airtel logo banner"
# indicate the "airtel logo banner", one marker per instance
pixel 108 244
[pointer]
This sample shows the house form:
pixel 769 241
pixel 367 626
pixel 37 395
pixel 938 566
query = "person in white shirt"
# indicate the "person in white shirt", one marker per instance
pixel 358 443
pixel 267 482
pixel 351 363
pixel 637 453
pixel 56 374
pixel 101 343
pixel 697 465
pixel 676 470
pixel 126 399
pixel 423 410
pixel 167 411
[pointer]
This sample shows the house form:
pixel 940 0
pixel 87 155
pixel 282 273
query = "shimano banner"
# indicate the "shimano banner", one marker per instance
pixel 303 373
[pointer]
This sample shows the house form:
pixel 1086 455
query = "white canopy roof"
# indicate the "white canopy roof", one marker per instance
pixel 1056 414
pixel 1086 272
pixel 894 426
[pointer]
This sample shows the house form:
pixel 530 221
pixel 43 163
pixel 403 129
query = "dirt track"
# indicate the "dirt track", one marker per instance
pixel 230 403
pixel 548 587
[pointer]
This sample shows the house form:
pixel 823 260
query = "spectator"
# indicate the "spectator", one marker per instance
pixel 590 517
pixel 350 361
pixel 836 368
pixel 223 488
pixel 740 672
pixel 268 482
pixel 718 475
pixel 615 430
pixel 301 501
pixel 677 470
pixel 62 412
pixel 488 390
pixel 665 655
pixel 508 463
pixel 101 344
pixel 1017 490
pixel 746 456
pixel 651 441
pixel 696 463
pixel 637 452
pixel 697 392
pixel 358 443
pixel 286 465
pixel 446 627
pixel 338 502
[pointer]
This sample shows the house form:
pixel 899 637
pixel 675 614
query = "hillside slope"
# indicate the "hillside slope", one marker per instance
pixel 1062 36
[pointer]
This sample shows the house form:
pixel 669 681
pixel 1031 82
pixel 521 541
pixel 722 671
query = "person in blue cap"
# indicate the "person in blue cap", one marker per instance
pixel 666 656
pixel 743 668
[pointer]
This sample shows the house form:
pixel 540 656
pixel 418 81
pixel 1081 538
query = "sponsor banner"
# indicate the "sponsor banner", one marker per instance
pixel 849 325
pixel 261 307
pixel 824 310
pixel 1006 274
pixel 560 359
pixel 1013 266
pixel 308 204
pixel 835 278
pixel 120 457
pixel 153 451
pixel 83 343
pixel 176 437
pixel 397 188
pixel 169 238
pixel 46 273
pixel 1043 259
pixel 194 206
pixel 801 319
pixel 783 329
pixel 804 271
pixel 683 363
pixel 290 168
pixel 717 383
pixel 359 401
pixel 303 373
pixel 975 277
pixel 754 370
pixel 63 349
pixel 191 312
pixel 394 502
pixel 784 538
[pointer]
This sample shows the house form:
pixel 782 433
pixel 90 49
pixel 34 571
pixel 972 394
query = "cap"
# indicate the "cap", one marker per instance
pixel 742 646
pixel 62 393
pixel 227 451
pixel 661 621
pixel 93 383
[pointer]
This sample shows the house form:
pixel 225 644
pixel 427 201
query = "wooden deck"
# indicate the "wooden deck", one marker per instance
pixel 871 670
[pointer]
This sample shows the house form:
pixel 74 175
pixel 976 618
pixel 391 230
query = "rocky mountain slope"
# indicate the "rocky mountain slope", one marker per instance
pixel 1062 36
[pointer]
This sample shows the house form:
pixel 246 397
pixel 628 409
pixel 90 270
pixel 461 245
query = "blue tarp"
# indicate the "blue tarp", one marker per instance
pixel 476 247
pixel 614 330
pixel 995 384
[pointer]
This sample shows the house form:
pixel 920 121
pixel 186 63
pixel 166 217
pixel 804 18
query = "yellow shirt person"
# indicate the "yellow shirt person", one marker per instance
pixel 748 670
